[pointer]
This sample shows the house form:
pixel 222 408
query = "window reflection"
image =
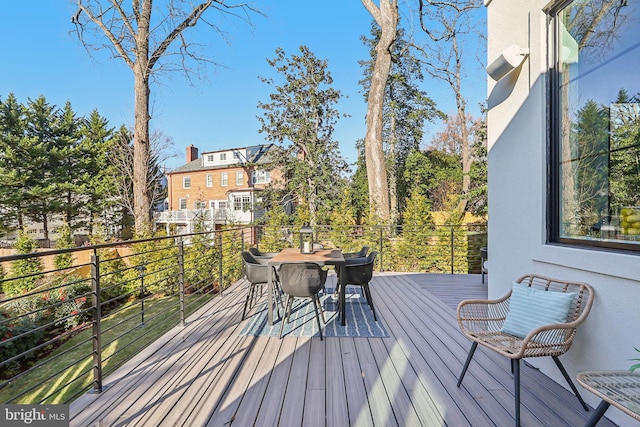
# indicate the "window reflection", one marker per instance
pixel 598 93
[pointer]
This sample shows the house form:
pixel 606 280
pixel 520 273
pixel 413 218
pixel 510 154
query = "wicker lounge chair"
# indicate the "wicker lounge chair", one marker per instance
pixel 484 321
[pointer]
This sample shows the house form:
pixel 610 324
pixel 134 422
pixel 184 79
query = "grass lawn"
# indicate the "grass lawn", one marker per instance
pixel 62 379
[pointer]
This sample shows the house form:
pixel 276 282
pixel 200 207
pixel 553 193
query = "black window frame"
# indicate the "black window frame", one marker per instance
pixel 554 120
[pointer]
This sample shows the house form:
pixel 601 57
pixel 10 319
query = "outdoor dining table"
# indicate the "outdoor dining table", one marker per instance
pixel 321 257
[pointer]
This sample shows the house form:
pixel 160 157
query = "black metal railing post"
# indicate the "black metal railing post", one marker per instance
pixel 452 248
pixel 181 280
pixel 381 242
pixel 96 313
pixel 141 270
pixel 220 283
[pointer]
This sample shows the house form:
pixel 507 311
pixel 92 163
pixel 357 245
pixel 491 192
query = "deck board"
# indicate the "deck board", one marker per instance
pixel 293 403
pixel 207 374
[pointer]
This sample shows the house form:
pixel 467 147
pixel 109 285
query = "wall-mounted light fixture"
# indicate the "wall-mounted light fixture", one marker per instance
pixel 509 59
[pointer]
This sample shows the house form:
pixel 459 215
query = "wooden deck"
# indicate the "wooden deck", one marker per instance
pixel 206 374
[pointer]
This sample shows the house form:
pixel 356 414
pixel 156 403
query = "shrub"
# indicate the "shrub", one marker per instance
pixel 26 272
pixel 3 276
pixel 53 304
pixel 199 262
pixel 157 261
pixel 112 274
pixel 64 242
pixel 16 337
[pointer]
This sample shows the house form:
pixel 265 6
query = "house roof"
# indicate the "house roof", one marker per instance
pixel 256 154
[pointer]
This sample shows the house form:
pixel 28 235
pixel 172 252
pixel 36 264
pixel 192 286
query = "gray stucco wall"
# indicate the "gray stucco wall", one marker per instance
pixel 517 123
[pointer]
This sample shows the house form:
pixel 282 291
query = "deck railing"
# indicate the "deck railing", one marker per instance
pixel 69 317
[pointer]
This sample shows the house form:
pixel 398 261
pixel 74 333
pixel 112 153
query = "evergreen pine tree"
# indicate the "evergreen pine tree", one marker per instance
pixel 25 273
pixel 276 231
pixel 413 245
pixel 300 118
pixel 64 241
pixel 343 229
pixel 15 167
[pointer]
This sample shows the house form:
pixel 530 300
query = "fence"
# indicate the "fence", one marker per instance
pixel 94 307
pixel 453 249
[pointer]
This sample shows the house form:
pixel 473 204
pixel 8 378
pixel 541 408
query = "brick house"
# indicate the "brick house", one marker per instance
pixel 218 187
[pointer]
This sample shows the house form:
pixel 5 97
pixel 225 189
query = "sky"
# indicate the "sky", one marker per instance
pixel 41 56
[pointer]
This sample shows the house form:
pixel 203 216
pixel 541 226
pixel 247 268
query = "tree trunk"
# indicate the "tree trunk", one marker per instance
pixel 45 226
pixel 393 174
pixel 461 106
pixel 141 202
pixel 387 18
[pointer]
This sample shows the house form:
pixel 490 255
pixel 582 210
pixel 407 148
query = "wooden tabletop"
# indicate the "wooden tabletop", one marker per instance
pixel 324 256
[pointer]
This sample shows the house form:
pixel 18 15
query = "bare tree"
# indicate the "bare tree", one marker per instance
pixel 447 23
pixel 386 16
pixel 122 158
pixel 142 42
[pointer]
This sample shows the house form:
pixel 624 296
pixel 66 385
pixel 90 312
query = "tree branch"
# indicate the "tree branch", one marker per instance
pixel 373 10
pixel 97 19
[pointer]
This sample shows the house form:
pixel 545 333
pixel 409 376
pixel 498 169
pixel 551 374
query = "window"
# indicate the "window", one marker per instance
pixel 239 177
pixel 212 204
pixel 210 158
pixel 236 155
pixel 183 204
pixel 209 180
pixel 595 125
pixel 199 205
pixel 186 182
pixel 224 179
pixel 222 204
pixel 241 202
pixel 261 177
pixel 223 156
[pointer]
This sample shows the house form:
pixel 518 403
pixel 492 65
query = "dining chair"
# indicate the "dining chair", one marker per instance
pixel 360 254
pixel 358 272
pixel 302 280
pixel 257 274
pixel 262 257
pixel 484 262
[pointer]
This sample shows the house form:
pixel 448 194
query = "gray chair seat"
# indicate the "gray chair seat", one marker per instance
pixel 358 272
pixel 302 280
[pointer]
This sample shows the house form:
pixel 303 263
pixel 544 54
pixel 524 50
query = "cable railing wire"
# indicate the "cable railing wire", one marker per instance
pixel 137 290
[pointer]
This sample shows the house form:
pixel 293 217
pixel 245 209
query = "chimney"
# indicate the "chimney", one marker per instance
pixel 192 153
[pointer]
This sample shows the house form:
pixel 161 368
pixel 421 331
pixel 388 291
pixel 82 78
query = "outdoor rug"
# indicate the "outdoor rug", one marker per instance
pixel 303 322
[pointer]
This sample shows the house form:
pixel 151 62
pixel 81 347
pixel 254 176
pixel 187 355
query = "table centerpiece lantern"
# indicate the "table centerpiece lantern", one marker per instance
pixel 306 239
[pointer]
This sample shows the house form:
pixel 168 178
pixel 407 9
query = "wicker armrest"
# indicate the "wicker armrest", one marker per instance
pixel 548 340
pixel 477 316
